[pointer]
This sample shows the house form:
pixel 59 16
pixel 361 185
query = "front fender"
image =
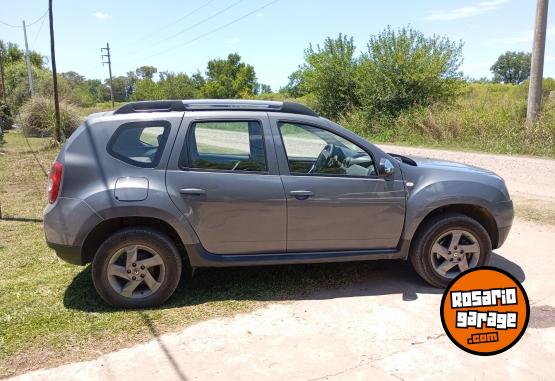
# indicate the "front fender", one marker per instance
pixel 423 200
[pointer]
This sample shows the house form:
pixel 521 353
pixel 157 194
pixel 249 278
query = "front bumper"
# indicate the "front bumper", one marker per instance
pixel 504 216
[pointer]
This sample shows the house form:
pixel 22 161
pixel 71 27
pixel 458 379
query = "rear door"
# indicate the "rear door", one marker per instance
pixel 223 176
pixel 335 200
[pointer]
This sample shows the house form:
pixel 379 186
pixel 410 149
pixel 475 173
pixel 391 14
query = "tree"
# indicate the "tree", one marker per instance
pixel 293 87
pixel 329 73
pixel 512 67
pixel 262 88
pixel 229 78
pixel 146 72
pixel 403 68
pixel 119 88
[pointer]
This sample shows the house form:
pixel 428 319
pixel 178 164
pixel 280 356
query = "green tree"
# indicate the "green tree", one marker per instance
pixel 146 72
pixel 293 87
pixel 512 67
pixel 119 85
pixel 229 78
pixel 177 86
pixel 329 73
pixel 404 68
pixel 262 88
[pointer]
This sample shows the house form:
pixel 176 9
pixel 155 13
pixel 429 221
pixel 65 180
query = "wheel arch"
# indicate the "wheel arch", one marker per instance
pixel 109 226
pixel 477 212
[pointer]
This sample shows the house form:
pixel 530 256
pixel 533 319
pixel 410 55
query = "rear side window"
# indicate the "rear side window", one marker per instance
pixel 227 146
pixel 140 143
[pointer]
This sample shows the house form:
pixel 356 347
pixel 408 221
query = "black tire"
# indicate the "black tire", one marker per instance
pixel 160 245
pixel 421 248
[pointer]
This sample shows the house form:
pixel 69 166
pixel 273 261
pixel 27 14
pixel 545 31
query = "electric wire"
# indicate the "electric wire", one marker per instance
pixel 27 25
pixel 213 30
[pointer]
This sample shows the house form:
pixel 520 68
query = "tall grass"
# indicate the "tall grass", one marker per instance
pixel 487 117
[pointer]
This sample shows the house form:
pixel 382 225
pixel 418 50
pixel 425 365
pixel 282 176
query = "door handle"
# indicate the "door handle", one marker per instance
pixel 192 191
pixel 301 194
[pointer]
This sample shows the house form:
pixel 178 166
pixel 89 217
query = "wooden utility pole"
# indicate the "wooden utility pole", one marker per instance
pixel 2 74
pixel 57 129
pixel 28 60
pixel 109 62
pixel 536 71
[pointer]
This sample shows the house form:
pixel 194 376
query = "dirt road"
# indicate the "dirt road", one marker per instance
pixel 385 327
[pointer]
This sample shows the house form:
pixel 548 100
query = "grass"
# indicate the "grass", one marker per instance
pixel 49 311
pixel 488 117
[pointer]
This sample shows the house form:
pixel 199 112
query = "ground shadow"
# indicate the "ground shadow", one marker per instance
pixel 287 282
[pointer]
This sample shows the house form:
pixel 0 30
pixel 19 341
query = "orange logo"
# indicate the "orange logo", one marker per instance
pixel 485 311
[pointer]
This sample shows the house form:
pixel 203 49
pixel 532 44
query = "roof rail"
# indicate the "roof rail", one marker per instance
pixel 214 104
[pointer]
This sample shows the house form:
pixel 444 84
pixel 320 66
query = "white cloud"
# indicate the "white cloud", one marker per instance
pixel 260 15
pixel 521 38
pixel 464 12
pixel 232 41
pixel 102 15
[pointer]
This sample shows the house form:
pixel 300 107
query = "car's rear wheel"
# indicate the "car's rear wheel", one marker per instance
pixel 447 245
pixel 136 268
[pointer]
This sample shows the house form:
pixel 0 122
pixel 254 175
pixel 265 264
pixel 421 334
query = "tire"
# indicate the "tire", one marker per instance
pixel 442 230
pixel 141 259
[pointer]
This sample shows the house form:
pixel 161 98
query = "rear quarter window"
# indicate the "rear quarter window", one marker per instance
pixel 140 143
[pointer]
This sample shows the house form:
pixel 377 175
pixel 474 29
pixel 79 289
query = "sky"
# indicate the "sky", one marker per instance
pixel 181 36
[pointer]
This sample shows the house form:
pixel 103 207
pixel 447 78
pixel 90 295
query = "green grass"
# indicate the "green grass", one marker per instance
pixel 488 117
pixel 50 313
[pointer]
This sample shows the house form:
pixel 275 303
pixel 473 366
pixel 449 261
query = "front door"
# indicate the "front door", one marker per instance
pixel 221 179
pixel 335 200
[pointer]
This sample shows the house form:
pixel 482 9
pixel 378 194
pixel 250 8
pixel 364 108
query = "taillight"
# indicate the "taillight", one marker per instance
pixel 54 181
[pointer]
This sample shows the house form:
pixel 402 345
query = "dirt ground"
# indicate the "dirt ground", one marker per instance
pixel 385 327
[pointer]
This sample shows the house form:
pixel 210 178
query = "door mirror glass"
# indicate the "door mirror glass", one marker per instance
pixel 386 168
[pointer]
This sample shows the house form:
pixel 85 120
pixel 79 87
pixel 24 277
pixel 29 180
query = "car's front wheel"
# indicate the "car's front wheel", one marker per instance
pixel 136 268
pixel 447 245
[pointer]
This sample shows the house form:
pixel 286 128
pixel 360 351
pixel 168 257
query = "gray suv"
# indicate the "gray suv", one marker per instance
pixel 155 186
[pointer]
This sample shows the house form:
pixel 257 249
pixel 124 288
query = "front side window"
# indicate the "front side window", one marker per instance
pixel 227 146
pixel 315 151
pixel 139 143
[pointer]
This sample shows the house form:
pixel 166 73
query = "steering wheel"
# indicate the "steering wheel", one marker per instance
pixel 323 158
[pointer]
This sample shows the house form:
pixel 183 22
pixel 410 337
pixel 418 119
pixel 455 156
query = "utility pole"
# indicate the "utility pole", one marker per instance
pixel 2 74
pixel 57 130
pixel 109 62
pixel 28 59
pixel 536 71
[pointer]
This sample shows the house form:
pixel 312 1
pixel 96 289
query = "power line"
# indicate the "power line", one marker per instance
pixel 214 30
pixel 28 25
pixel 198 23
pixel 39 30
pixel 148 36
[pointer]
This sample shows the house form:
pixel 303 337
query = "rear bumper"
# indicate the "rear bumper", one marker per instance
pixel 69 254
pixel 67 222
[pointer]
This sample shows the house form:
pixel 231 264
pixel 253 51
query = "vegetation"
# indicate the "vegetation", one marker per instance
pixel 405 87
pixel 512 67
pixel 38 118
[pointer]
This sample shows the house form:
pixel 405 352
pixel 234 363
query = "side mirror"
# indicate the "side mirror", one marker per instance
pixel 386 168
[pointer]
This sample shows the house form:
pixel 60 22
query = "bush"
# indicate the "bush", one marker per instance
pixel 6 120
pixel 38 118
pixel 405 69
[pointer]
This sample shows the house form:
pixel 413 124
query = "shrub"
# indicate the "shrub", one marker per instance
pixel 404 69
pixel 38 117
pixel 6 119
pixel 329 74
